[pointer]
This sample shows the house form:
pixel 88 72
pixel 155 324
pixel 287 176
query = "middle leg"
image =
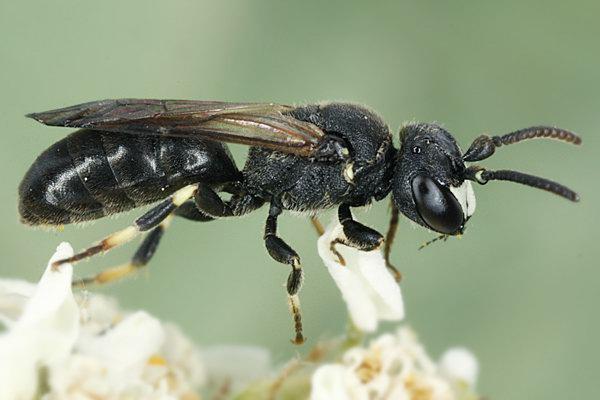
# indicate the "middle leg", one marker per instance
pixel 211 204
pixel 280 251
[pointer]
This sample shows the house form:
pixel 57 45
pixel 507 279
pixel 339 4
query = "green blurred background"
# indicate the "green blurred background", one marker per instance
pixel 520 288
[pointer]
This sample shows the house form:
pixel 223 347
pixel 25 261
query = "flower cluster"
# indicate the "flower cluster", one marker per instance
pixel 60 346
pixel 396 366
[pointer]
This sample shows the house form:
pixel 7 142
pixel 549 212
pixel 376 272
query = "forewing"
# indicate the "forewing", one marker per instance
pixel 254 124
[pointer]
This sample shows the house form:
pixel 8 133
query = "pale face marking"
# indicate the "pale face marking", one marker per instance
pixel 466 197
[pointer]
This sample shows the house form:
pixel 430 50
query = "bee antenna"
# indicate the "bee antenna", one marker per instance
pixel 484 146
pixel 483 176
pixel 444 237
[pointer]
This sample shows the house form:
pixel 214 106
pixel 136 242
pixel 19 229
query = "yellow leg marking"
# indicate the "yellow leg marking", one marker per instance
pixel 125 235
pixel 294 303
pixel 182 195
pixel 115 273
pixel 109 275
pixel 317 225
pixel 111 241
pixel 121 237
pixel 332 248
pixel 119 272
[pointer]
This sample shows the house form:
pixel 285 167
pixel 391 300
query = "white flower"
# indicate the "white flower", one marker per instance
pixel 391 367
pixel 333 381
pixel 460 365
pixel 236 366
pixel 57 346
pixel 369 290
pixel 88 350
pixel 44 327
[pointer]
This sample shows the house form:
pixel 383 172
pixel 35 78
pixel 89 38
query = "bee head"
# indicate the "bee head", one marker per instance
pixel 429 185
pixel 432 185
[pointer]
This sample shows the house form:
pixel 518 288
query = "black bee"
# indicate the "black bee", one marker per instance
pixel 129 153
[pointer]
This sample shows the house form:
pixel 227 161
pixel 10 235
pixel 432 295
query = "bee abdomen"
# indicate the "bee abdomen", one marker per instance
pixel 91 174
pixel 51 193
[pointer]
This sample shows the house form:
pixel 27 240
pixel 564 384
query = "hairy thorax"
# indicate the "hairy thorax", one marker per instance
pixel 301 184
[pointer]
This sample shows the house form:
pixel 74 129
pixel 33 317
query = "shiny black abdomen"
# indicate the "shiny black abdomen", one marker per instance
pixel 91 174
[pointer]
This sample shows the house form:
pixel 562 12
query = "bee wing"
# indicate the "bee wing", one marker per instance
pixel 255 124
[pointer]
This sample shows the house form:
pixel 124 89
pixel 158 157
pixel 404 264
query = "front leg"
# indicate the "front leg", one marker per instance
pixel 364 238
pixel 357 235
pixel 389 240
pixel 281 252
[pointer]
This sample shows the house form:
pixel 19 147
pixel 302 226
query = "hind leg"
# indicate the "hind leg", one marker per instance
pixel 146 250
pixel 189 211
pixel 211 204
pixel 149 220
pixel 140 259
pixel 281 252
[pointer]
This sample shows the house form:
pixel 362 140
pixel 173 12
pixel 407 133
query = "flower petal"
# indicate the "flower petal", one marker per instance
pixel 126 348
pixel 14 294
pixel 329 382
pixel 369 290
pixel 459 364
pixel 178 350
pixel 386 293
pixel 395 366
pixel 361 308
pixel 237 365
pixel 45 332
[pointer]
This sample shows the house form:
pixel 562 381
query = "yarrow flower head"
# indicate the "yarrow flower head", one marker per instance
pixel 61 346
pixel 368 288
pixel 57 346
pixel 396 366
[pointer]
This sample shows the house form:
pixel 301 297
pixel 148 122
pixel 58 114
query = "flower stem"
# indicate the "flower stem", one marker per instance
pixel 354 336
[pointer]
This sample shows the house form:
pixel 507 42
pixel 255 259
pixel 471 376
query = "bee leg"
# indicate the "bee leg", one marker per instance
pixel 314 220
pixel 335 252
pixel 357 235
pixel 140 259
pixel 188 210
pixel 389 240
pixel 320 231
pixel 280 251
pixel 209 203
pixel 149 220
pixel 147 248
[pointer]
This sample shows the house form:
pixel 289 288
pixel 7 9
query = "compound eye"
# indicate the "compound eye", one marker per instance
pixel 437 206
